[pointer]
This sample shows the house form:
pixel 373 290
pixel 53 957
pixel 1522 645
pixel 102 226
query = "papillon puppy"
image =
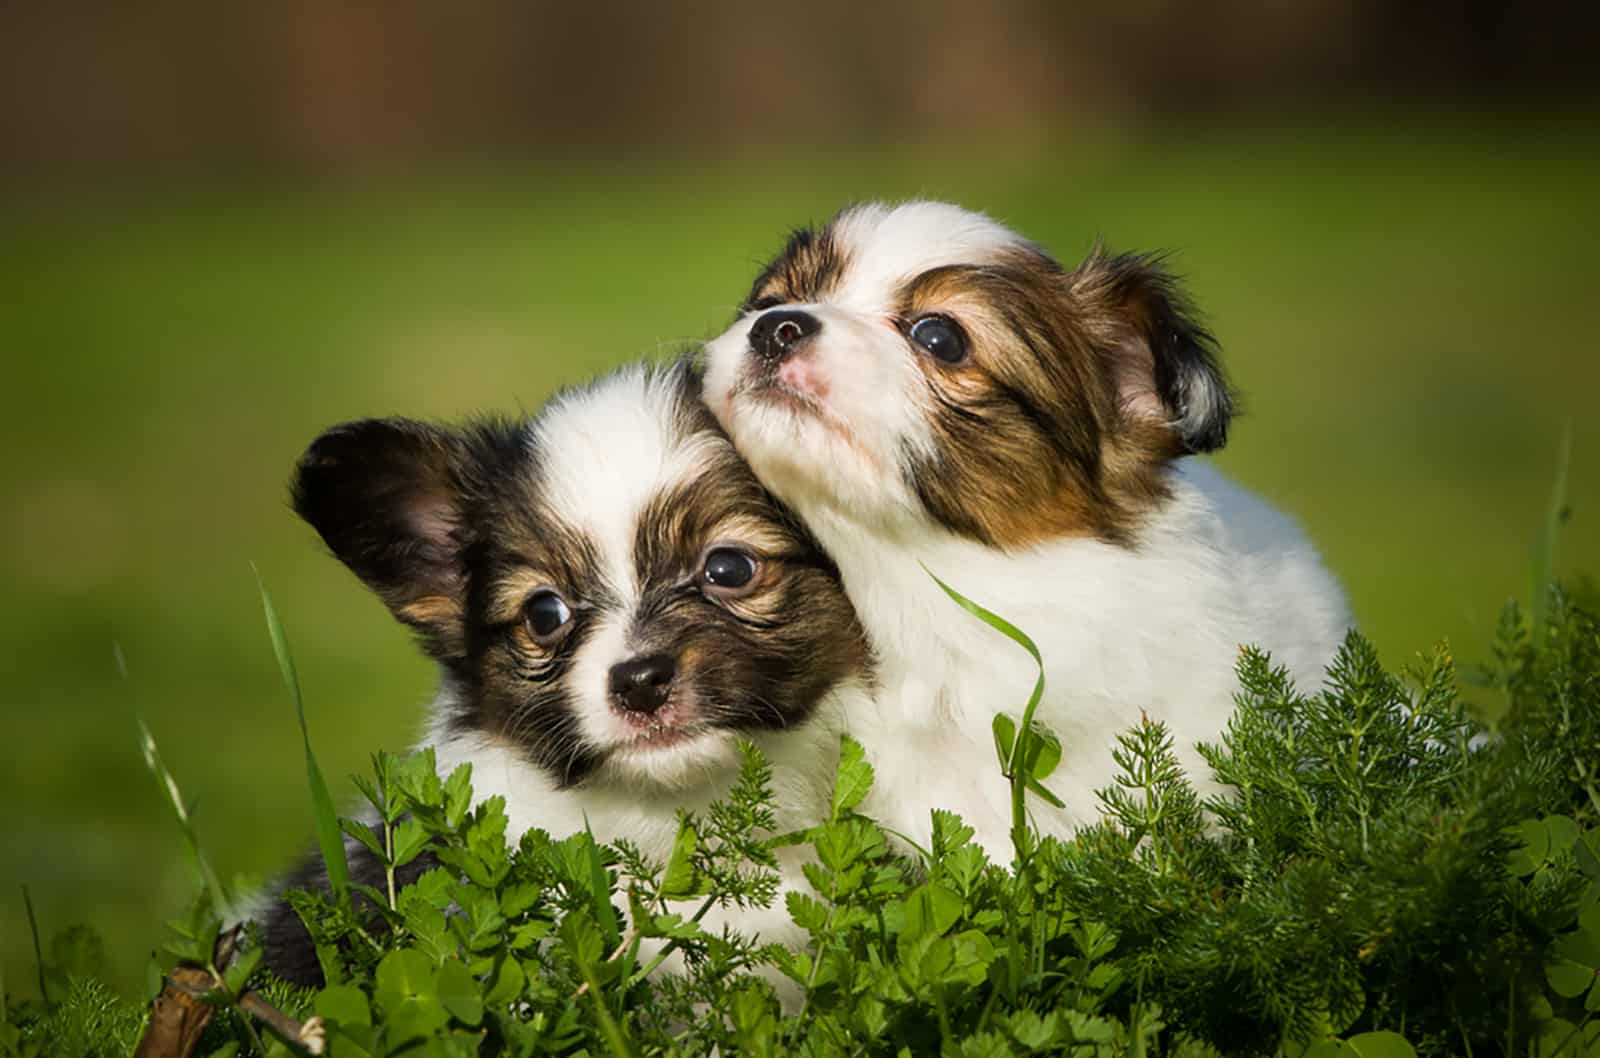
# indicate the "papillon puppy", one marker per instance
pixel 933 393
pixel 614 600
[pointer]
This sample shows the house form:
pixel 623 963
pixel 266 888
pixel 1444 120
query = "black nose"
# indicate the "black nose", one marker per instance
pixel 641 684
pixel 778 333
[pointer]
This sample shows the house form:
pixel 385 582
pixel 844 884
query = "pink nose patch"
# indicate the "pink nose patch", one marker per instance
pixel 802 375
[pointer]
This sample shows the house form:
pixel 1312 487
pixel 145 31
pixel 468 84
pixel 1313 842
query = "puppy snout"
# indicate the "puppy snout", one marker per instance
pixel 777 334
pixel 641 685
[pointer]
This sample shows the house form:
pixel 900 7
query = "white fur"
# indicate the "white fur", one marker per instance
pixel 1153 628
pixel 889 245
pixel 606 451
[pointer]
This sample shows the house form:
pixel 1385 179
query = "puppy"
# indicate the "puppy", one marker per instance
pixel 932 392
pixel 613 599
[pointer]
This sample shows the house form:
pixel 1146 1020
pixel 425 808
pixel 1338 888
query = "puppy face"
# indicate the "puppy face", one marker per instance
pixel 923 364
pixel 608 586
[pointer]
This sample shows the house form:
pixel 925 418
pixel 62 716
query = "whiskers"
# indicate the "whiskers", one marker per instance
pixel 548 729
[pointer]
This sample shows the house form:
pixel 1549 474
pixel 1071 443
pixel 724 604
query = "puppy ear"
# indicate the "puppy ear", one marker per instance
pixel 386 495
pixel 1164 362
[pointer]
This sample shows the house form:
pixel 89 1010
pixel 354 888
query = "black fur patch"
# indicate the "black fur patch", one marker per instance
pixel 383 494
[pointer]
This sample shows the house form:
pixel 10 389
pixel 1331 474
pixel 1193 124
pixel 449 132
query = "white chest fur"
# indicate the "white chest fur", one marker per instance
pixel 1155 628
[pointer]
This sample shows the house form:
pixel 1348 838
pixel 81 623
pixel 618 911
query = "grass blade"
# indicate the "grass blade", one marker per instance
pixel 600 892
pixel 38 949
pixel 180 809
pixel 1544 547
pixel 1017 636
pixel 616 1040
pixel 329 836
pixel 169 785
pixel 1017 771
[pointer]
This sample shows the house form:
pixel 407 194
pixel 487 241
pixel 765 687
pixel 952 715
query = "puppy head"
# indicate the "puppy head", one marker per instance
pixel 921 363
pixel 608 586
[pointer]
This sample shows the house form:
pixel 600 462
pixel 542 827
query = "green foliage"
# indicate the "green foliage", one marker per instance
pixel 85 1020
pixel 1388 876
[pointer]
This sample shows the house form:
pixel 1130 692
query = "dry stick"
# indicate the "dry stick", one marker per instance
pixel 311 1034
pixel 621 947
pixel 180 1014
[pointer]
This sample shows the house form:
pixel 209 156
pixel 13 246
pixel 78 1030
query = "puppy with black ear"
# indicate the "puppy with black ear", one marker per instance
pixel 928 389
pixel 613 599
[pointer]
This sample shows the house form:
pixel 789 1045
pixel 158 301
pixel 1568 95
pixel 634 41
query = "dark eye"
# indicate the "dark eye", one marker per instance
pixel 728 568
pixel 547 615
pixel 940 336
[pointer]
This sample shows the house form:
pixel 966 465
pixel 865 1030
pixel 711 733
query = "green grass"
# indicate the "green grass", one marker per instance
pixel 1409 311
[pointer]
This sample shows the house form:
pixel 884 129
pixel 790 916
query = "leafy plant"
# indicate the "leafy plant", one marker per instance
pixel 1390 875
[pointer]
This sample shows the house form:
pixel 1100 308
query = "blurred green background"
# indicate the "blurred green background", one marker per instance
pixel 221 235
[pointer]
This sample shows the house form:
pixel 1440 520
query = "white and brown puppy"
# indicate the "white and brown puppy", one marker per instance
pixel 927 388
pixel 613 599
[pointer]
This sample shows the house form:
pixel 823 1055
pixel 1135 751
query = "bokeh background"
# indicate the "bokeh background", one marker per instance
pixel 225 227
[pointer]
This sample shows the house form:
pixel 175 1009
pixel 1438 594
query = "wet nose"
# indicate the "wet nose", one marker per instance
pixel 641 685
pixel 780 332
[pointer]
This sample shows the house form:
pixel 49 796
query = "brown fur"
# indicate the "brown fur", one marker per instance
pixel 808 269
pixel 1036 434
pixel 1018 425
pixel 1079 388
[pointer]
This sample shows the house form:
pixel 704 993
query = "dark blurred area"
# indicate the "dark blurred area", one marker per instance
pixel 112 92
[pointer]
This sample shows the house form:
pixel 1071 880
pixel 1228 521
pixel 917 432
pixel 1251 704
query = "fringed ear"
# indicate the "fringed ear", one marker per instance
pixel 386 495
pixel 1164 362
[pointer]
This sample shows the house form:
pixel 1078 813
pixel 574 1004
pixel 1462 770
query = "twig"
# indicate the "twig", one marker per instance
pixel 311 1034
pixel 622 946
pixel 38 950
pixel 221 957
pixel 178 1016
pixel 181 1012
